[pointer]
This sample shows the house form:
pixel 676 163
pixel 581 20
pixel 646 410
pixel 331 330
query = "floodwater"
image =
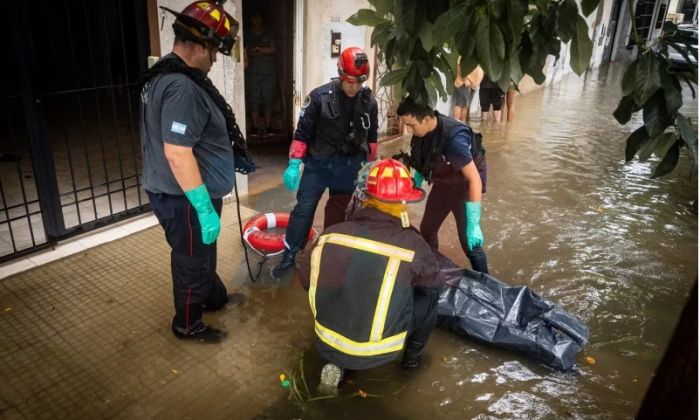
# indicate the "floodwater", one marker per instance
pixel 563 215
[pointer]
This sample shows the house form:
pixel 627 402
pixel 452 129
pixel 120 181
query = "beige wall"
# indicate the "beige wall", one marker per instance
pixel 226 75
pixel 320 20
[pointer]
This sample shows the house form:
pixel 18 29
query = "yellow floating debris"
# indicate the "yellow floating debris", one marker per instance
pixel 8 309
pixel 175 371
pixel 590 360
pixel 282 377
pixel 362 393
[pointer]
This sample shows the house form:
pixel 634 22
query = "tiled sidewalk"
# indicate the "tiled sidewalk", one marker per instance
pixel 88 337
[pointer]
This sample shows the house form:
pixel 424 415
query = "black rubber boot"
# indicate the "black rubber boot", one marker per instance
pixel 288 262
pixel 412 355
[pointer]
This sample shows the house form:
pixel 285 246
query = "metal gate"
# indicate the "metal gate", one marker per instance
pixel 70 155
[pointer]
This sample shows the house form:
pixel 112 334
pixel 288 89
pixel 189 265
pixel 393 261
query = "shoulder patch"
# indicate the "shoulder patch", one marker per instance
pixel 179 128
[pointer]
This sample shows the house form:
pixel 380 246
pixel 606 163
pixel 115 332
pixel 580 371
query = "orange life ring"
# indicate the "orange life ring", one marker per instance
pixel 255 235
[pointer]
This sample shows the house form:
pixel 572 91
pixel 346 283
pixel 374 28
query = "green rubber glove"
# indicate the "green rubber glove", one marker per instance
pixel 418 179
pixel 208 217
pixel 292 175
pixel 475 238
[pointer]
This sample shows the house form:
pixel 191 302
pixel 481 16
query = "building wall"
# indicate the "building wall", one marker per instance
pixel 322 17
pixel 226 74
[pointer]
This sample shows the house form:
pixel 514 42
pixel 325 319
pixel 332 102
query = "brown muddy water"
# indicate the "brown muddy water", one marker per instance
pixel 563 215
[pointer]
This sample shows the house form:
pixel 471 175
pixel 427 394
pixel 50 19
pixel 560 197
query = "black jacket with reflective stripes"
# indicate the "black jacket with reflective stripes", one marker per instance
pixel 360 276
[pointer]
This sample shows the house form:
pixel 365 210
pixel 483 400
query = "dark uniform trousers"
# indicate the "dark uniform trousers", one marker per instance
pixel 192 263
pixel 338 174
pixel 442 201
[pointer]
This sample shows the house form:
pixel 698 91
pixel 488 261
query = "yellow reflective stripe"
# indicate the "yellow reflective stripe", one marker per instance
pixel 368 245
pixel 382 309
pixel 313 276
pixel 216 14
pixel 354 348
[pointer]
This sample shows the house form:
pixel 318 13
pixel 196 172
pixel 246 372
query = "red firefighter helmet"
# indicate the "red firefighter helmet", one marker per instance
pixel 353 65
pixel 390 181
pixel 207 22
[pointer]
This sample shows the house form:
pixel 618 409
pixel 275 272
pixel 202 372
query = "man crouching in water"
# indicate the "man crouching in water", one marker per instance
pixel 372 280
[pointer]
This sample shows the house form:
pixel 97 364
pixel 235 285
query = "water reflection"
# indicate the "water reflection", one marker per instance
pixel 566 216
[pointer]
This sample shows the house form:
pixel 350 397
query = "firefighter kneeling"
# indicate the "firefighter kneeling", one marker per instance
pixel 372 280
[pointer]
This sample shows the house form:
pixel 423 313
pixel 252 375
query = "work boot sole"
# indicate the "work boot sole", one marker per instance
pixel 331 375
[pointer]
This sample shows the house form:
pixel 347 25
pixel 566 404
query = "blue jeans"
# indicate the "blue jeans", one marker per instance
pixel 338 174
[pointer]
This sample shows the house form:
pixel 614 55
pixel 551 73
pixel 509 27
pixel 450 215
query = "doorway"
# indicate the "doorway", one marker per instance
pixel 269 135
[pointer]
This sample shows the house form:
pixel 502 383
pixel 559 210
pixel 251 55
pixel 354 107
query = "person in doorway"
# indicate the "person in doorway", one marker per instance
pixel 337 131
pixel 260 73
pixel 441 153
pixel 465 89
pixel 490 95
pixel 187 131
pixel 373 281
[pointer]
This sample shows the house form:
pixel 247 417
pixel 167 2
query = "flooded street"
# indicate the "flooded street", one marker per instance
pixel 563 215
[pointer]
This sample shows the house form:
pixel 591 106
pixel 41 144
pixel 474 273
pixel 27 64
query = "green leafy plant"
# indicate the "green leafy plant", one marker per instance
pixel 420 40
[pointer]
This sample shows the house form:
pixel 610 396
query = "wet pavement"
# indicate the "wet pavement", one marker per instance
pixel 88 336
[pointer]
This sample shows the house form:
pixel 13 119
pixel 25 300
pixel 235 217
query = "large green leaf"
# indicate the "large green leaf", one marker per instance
pixel 566 20
pixel 625 109
pixel 465 41
pixel 448 24
pixel 436 82
pixel 497 7
pixel 383 7
pixel 516 14
pixel 444 67
pixel 628 79
pixel 393 77
pixel 531 60
pixel 581 47
pixel 588 6
pixel 381 33
pixel 365 17
pixel 635 141
pixel 656 117
pixel 426 36
pixel 431 91
pixel 490 47
pixel 647 81
pixel 662 142
pixel 672 90
pixel 467 64
pixel 669 161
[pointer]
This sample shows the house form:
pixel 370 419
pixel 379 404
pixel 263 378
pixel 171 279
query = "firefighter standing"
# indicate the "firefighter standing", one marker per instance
pixel 187 132
pixel 372 280
pixel 337 131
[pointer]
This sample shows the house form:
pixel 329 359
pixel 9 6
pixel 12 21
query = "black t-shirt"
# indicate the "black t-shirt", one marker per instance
pixel 175 110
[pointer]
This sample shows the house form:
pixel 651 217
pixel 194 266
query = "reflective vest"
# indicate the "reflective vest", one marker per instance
pixel 385 307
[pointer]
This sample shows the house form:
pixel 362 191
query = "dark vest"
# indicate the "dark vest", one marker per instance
pixel 338 133
pixel 435 167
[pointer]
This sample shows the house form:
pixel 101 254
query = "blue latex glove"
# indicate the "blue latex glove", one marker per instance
pixel 475 238
pixel 207 215
pixel 292 175
pixel 418 179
